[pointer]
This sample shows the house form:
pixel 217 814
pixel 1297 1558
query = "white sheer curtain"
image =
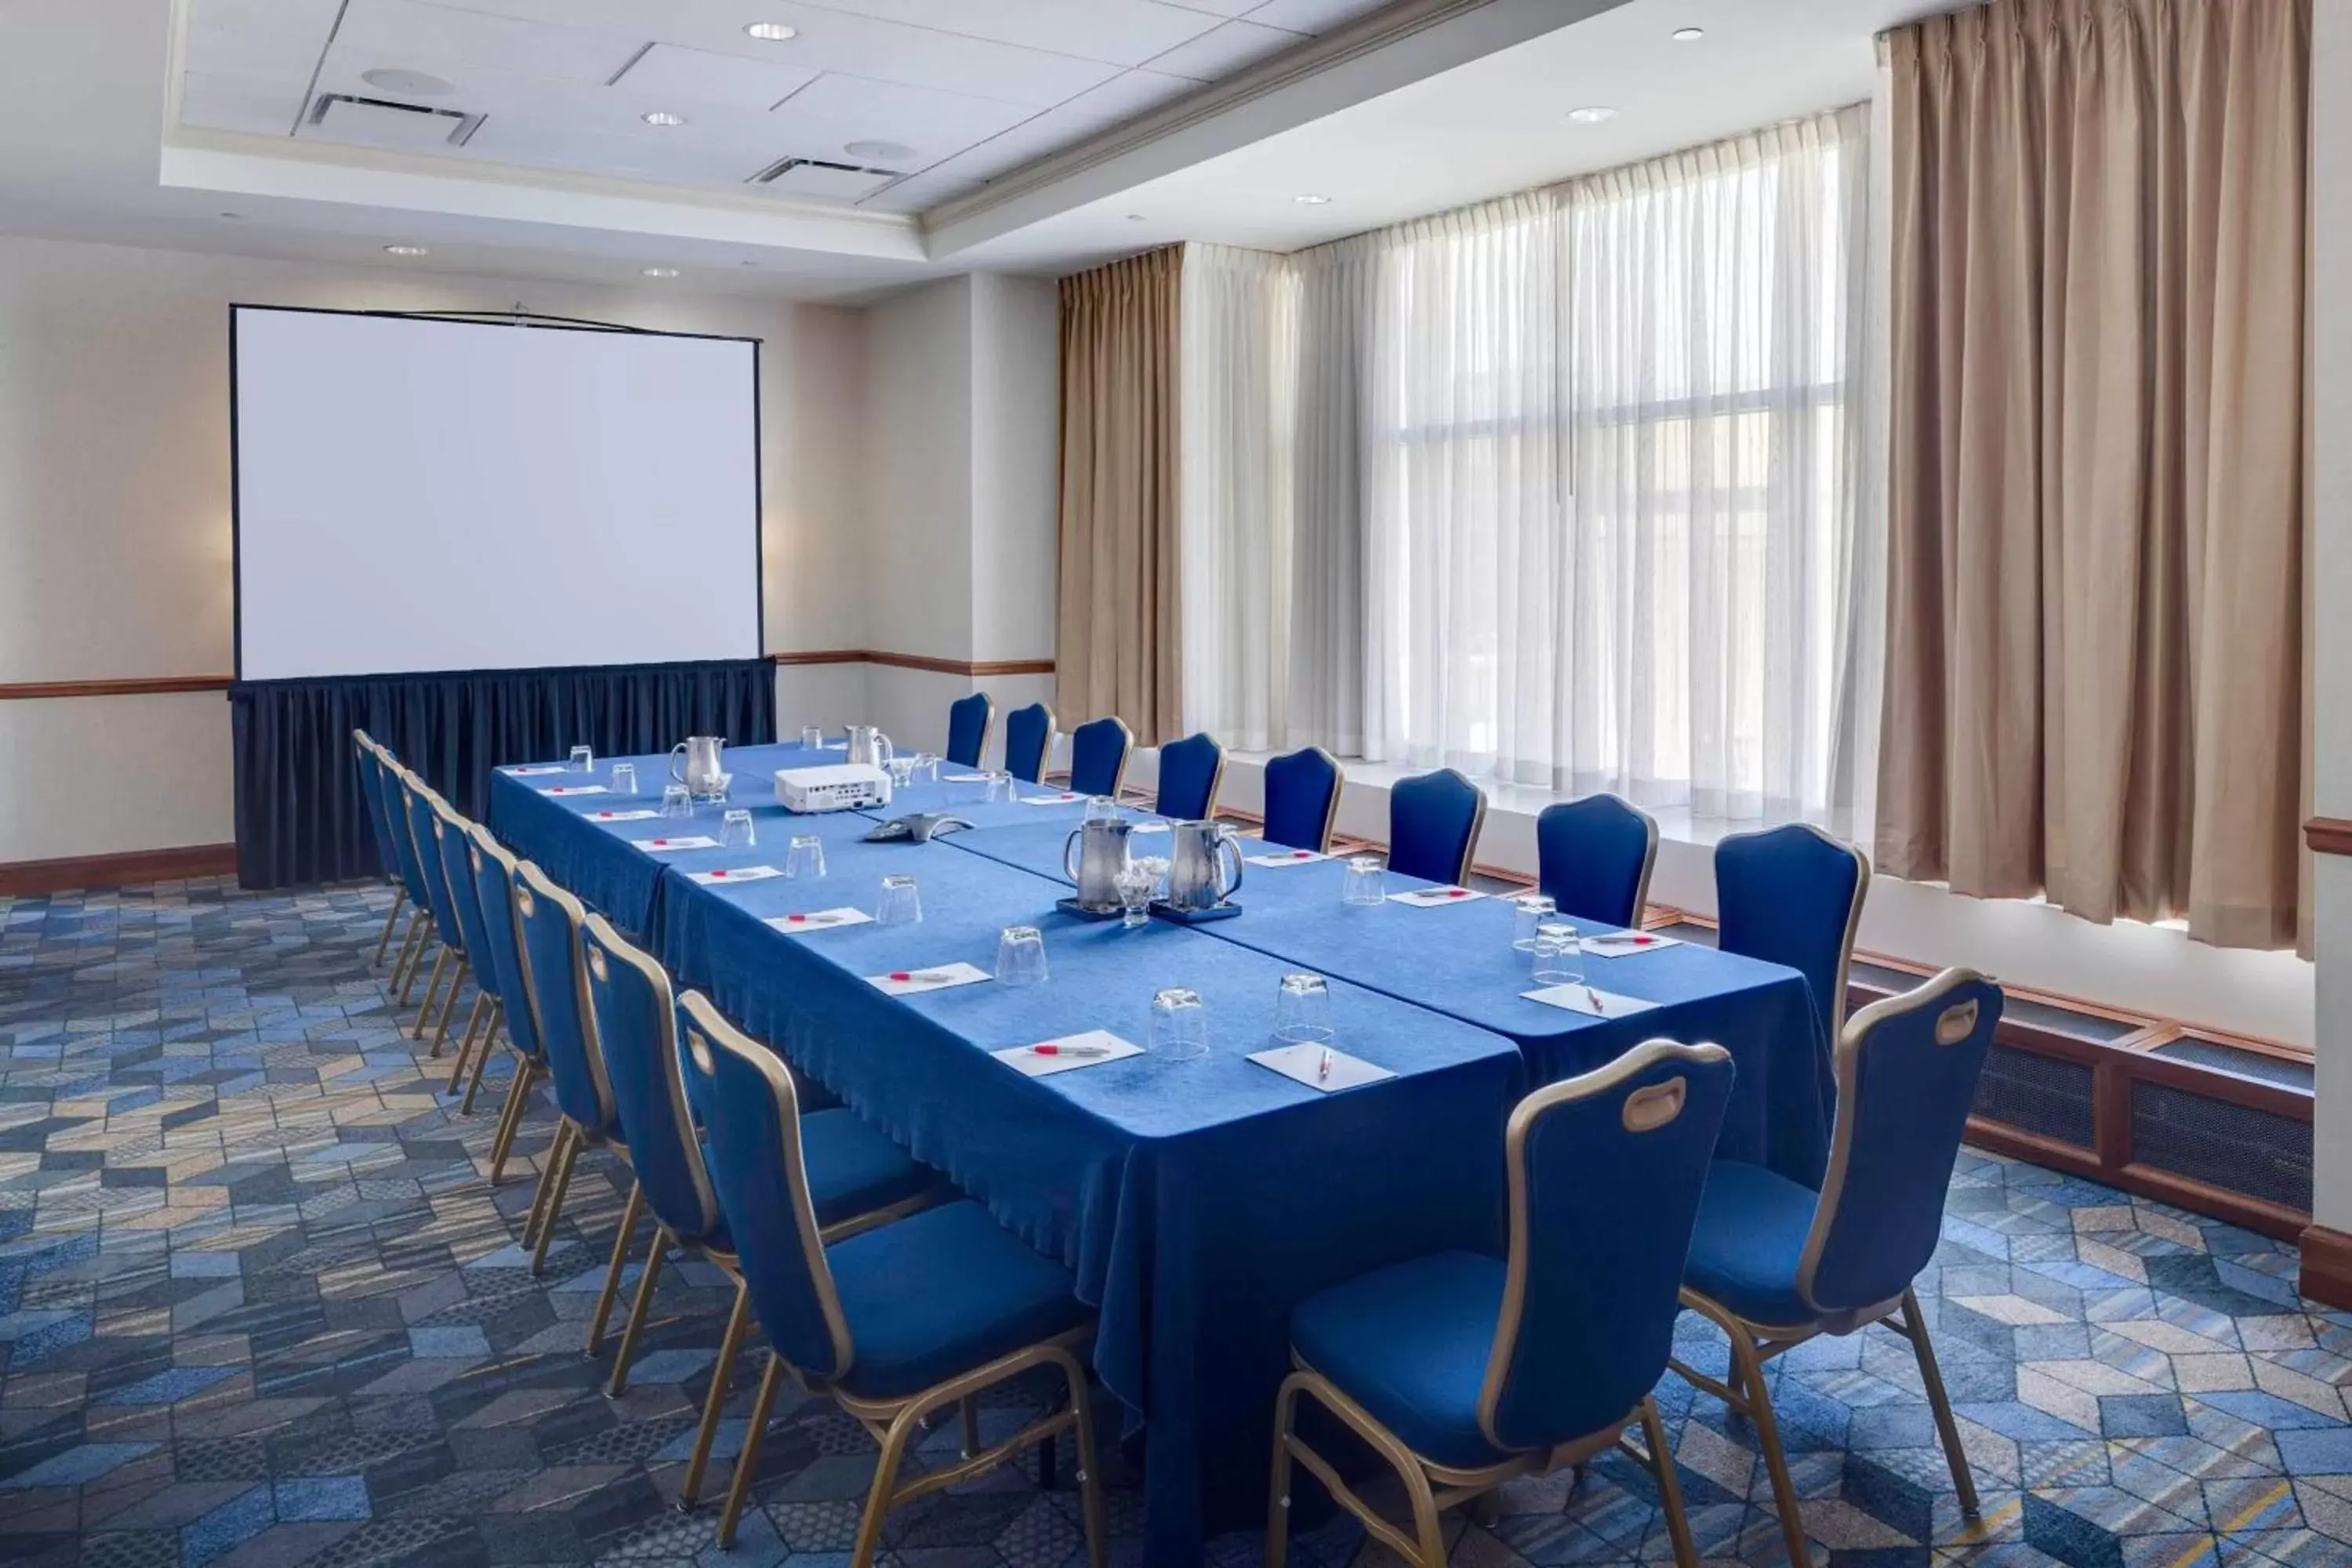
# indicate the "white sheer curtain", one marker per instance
pixel 1238 358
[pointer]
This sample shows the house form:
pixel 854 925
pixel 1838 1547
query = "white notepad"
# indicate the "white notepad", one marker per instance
pixel 1620 943
pixel 937 977
pixel 1435 898
pixel 727 876
pixel 1306 1064
pixel 1589 1000
pixel 1067 1054
pixel 820 919
pixel 1286 858
pixel 575 789
pixel 963 778
pixel 686 841
pixel 638 815
pixel 535 770
pixel 1064 798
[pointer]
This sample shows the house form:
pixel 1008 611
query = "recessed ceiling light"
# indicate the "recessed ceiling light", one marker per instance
pixel 1688 35
pixel 406 250
pixel 417 84
pixel 1312 201
pixel 880 151
pixel 661 271
pixel 1592 115
pixel 772 32
pixel 663 117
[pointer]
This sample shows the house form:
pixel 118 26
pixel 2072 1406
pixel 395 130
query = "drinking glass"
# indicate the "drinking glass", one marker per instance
pixel 735 830
pixel 1558 954
pixel 813 736
pixel 1134 883
pixel 1528 911
pixel 1302 1010
pixel 675 801
pixel 927 768
pixel 805 857
pixel 1000 788
pixel 721 786
pixel 1020 956
pixel 1365 883
pixel 625 778
pixel 1179 1024
pixel 901 770
pixel 1101 808
pixel 900 904
pixel 583 759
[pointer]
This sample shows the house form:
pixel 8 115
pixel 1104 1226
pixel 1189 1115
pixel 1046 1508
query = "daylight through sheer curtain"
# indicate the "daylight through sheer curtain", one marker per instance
pixel 1582 487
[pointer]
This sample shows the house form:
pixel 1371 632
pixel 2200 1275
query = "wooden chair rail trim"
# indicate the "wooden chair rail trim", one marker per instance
pixel 969 669
pixel 134 686
pixel 26 879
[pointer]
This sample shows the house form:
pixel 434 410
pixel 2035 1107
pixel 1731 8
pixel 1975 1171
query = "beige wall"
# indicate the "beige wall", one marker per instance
pixel 114 507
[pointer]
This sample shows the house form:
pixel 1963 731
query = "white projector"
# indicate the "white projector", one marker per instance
pixel 838 787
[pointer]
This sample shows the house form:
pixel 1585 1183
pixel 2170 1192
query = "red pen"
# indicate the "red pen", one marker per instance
pixel 796 917
pixel 1457 892
pixel 715 875
pixel 1323 1067
pixel 900 974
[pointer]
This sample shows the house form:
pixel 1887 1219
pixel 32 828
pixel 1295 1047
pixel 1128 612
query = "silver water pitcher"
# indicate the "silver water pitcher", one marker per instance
pixel 1204 865
pixel 1093 857
pixel 696 762
pixel 869 745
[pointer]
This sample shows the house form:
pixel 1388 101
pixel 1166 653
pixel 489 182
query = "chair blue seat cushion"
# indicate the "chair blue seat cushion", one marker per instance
pixel 853 1169
pixel 1409 1344
pixel 1750 1236
pixel 940 1293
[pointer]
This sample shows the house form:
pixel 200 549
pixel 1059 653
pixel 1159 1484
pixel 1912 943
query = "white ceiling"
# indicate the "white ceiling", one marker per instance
pixel 969 88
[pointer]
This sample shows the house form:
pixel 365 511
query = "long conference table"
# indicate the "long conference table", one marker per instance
pixel 1196 1202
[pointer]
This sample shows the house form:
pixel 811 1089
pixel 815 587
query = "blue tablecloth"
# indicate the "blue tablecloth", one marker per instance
pixel 1196 1202
pixel 1457 959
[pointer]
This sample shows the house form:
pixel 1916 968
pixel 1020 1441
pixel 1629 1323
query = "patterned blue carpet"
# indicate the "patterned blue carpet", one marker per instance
pixel 259 1306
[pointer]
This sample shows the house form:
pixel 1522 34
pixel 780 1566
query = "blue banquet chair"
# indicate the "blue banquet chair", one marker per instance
pixel 1593 858
pixel 1302 799
pixel 548 923
pixel 1190 772
pixel 1433 821
pixel 1792 895
pixel 969 721
pixel 363 757
pixel 1775 1264
pixel 1463 1370
pixel 856 1177
pixel 394 806
pixel 417 804
pixel 1028 740
pixel 493 872
pixel 1099 754
pixel 893 1323
pixel 453 844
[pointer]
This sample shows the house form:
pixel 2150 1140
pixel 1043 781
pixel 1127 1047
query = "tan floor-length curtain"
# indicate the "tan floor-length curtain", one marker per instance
pixel 1119 643
pixel 2095 682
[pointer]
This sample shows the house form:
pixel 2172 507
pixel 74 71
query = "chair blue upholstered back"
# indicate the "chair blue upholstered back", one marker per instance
pixel 1302 799
pixel 1907 1075
pixel 756 1165
pixel 549 920
pixel 968 722
pixel 416 805
pixel 636 1029
pixel 1792 895
pixel 372 796
pixel 1593 858
pixel 1028 735
pixel 1605 1176
pixel 1190 770
pixel 494 887
pixel 392 800
pixel 453 843
pixel 1098 755
pixel 1433 824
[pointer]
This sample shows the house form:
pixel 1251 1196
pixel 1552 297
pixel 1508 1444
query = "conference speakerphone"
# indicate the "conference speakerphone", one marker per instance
pixel 837 787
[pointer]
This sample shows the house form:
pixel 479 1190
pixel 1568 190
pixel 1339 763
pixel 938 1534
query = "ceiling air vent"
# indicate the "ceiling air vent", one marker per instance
pixel 816 177
pixel 380 122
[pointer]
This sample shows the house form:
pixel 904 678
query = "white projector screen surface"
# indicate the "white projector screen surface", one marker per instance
pixel 416 496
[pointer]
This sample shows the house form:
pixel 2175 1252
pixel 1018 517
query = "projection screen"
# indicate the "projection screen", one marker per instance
pixel 416 495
